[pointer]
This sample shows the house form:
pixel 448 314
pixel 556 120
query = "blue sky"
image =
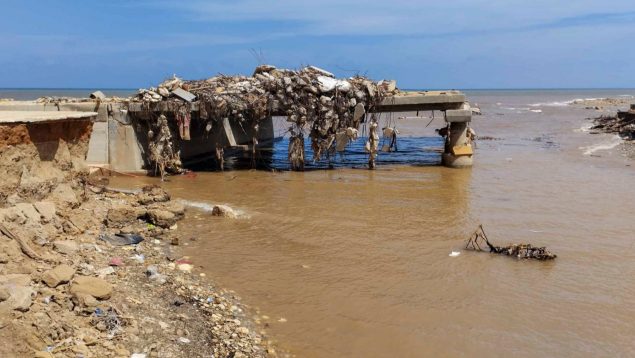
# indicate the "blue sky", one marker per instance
pixel 421 44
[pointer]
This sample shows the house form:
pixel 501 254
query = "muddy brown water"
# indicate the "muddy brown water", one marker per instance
pixel 357 261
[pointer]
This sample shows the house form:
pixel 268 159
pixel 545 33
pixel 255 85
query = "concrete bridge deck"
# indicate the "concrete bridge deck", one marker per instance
pixel 15 117
pixel 402 102
pixel 114 142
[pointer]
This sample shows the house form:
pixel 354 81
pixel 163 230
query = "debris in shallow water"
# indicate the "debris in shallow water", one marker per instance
pixel 315 103
pixel 622 124
pixel 521 251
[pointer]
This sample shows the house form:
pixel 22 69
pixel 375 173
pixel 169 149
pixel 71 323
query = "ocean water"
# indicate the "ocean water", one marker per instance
pixel 27 94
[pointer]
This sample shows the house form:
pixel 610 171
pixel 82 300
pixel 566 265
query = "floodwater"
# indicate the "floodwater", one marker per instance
pixel 358 263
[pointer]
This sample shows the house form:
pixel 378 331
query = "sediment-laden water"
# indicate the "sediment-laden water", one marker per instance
pixel 357 262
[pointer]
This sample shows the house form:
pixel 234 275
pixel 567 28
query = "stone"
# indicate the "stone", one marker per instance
pixel 61 274
pixel 29 212
pixel 153 194
pixel 4 293
pixel 175 208
pixel 93 286
pixel 18 279
pixel 224 211
pixel 185 267
pixel 20 298
pixel 46 209
pixel 64 194
pixel 66 247
pixel 123 215
pixel 12 214
pixel 161 218
pixel 85 300
pixel 103 272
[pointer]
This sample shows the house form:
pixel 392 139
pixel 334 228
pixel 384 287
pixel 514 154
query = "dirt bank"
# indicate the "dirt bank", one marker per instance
pixel 75 279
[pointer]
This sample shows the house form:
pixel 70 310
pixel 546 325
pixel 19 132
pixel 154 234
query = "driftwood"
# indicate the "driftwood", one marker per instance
pixel 521 251
pixel 24 245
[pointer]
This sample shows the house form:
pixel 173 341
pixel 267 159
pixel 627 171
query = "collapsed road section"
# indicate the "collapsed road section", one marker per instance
pixel 164 128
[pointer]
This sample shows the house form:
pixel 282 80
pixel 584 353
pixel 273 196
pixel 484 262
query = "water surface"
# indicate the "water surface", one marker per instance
pixel 357 261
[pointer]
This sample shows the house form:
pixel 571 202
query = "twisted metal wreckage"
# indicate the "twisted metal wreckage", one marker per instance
pixel 312 99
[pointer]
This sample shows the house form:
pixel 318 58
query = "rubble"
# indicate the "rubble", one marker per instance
pixel 67 292
pixel 623 124
pixel 313 100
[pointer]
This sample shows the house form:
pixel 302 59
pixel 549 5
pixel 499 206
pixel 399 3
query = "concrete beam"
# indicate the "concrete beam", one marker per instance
pixel 403 102
pixel 422 101
pixel 43 116
pixel 458 115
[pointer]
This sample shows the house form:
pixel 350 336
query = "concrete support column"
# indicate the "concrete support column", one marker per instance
pixel 458 145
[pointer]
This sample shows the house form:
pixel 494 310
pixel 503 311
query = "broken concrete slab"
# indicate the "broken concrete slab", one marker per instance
pixel 184 95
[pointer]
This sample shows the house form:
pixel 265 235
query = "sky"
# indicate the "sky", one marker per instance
pixel 449 44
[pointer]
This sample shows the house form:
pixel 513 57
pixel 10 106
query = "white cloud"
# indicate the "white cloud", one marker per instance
pixel 396 17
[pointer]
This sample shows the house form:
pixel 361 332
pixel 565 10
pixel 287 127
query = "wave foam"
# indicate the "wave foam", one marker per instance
pixel 208 207
pixel 608 145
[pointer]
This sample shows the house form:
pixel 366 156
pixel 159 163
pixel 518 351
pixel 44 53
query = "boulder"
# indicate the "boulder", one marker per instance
pixel 224 211
pixel 46 209
pixel 161 218
pixel 123 215
pixel 93 286
pixel 66 247
pixel 176 208
pixel 61 274
pixel 153 194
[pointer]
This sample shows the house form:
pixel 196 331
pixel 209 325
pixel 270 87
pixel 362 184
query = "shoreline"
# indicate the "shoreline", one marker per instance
pixel 69 286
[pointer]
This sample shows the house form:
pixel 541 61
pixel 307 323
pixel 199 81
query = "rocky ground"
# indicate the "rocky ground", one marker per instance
pixel 87 271
pixel 601 103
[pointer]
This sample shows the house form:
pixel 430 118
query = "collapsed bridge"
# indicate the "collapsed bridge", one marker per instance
pixel 162 129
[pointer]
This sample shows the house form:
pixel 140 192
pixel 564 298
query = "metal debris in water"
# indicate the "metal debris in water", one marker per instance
pixel 521 251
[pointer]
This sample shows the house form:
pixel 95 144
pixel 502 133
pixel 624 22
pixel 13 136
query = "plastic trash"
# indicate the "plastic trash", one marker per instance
pixel 121 239
pixel 454 253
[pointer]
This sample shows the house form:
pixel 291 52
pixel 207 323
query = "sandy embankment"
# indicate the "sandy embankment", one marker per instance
pixel 66 292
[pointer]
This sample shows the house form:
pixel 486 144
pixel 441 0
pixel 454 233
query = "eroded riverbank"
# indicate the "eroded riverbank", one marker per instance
pixel 70 286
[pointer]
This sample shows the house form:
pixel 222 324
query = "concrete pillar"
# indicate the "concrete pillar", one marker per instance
pixel 458 150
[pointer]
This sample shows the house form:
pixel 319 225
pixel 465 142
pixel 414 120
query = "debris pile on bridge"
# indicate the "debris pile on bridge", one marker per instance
pixel 622 124
pixel 521 251
pixel 330 110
